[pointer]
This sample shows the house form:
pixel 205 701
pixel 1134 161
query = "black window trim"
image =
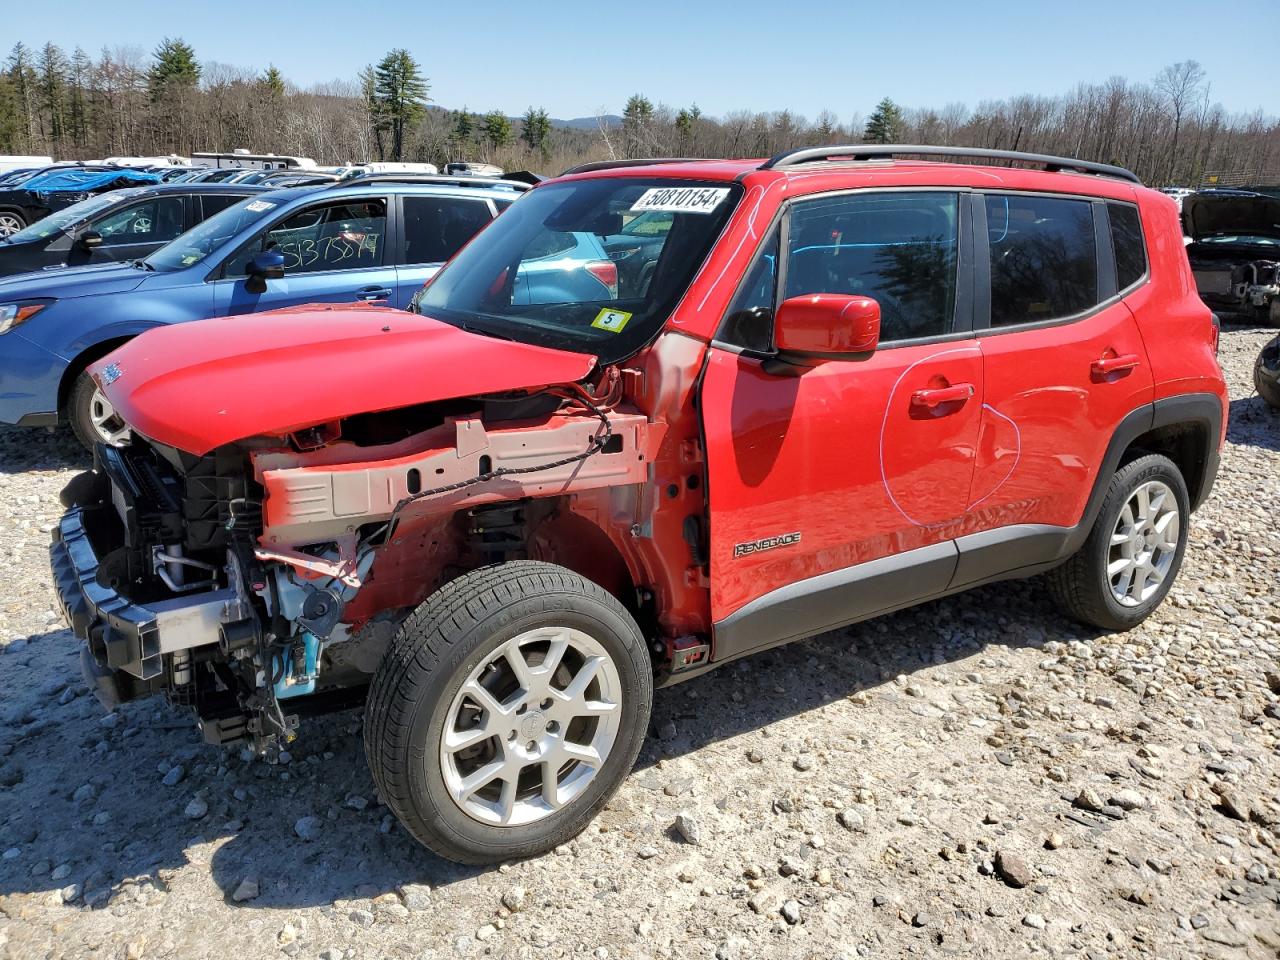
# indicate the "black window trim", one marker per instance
pixel 963 319
pixel 1145 276
pixel 1104 257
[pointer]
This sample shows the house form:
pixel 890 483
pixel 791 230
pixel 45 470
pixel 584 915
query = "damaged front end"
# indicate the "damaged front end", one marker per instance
pixel 263 581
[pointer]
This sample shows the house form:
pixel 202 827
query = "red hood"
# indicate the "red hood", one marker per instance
pixel 196 386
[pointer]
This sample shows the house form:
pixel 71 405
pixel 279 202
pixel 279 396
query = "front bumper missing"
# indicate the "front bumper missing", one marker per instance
pixel 121 634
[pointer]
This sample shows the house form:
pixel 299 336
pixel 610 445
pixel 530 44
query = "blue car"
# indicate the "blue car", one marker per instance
pixel 376 238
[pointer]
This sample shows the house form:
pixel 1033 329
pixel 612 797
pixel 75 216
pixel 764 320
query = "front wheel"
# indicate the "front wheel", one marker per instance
pixel 510 706
pixel 93 419
pixel 1134 551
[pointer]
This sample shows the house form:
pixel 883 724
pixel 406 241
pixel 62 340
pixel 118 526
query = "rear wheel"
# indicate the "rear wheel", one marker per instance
pixel 10 223
pixel 92 417
pixel 1266 371
pixel 1134 550
pixel 508 709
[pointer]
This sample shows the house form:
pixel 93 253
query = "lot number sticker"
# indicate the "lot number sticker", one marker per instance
pixel 259 205
pixel 681 199
pixel 611 320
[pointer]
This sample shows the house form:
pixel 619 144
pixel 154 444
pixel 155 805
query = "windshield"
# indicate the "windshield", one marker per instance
pixel 559 268
pixel 69 216
pixel 201 240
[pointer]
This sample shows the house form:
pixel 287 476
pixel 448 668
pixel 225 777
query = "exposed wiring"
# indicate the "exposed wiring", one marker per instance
pixel 594 446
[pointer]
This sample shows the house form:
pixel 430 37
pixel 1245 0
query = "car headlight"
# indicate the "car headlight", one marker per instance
pixel 12 314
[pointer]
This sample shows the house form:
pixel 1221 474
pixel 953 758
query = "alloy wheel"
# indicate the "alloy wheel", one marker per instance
pixel 1143 543
pixel 9 225
pixel 531 727
pixel 107 425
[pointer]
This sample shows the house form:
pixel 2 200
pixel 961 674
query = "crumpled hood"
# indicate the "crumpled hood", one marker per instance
pixel 72 282
pixel 1204 215
pixel 197 386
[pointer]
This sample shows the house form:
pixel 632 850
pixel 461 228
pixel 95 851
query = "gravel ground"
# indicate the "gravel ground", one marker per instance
pixel 976 776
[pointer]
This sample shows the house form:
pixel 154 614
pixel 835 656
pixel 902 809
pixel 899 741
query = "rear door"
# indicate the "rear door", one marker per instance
pixel 433 229
pixel 136 229
pixel 1064 364
pixel 335 252
pixel 834 491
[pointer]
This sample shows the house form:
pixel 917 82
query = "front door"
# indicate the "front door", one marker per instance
pixel 335 252
pixel 836 491
pixel 133 231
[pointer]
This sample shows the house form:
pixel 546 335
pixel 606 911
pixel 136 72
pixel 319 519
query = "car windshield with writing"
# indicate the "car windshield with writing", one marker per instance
pixel 201 240
pixel 548 270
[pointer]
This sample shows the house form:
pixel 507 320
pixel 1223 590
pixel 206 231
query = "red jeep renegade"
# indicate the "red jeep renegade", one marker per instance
pixel 658 416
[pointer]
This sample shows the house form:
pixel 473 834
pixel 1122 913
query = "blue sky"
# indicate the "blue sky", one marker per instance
pixel 574 58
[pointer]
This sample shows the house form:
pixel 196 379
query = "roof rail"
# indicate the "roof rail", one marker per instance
pixel 887 151
pixel 617 164
pixel 464 181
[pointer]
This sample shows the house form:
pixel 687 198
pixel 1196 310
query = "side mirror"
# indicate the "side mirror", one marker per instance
pixel 269 265
pixel 826 326
pixel 89 240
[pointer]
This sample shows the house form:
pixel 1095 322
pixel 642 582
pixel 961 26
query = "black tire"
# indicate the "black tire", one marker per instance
pixel 1081 586
pixel 1266 372
pixel 78 412
pixel 1271 314
pixel 449 635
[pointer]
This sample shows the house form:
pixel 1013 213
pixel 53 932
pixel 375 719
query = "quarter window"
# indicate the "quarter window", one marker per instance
pixel 1126 240
pixel 435 228
pixel 749 322
pixel 1043 258
pixel 897 248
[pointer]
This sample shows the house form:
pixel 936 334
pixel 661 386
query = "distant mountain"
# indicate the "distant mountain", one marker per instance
pixel 588 123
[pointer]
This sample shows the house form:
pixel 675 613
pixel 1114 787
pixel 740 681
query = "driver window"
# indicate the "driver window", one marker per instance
pixel 345 235
pixel 157 220
pixel 898 248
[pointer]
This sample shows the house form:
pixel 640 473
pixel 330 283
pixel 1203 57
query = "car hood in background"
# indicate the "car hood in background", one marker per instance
pixel 72 282
pixel 197 386
pixel 1204 215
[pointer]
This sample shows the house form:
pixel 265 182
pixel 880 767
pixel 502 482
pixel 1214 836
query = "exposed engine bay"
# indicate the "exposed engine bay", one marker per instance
pixel 1235 251
pixel 264 580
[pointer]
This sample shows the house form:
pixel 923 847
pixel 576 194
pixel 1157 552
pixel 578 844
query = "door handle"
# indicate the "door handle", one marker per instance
pixel 1106 366
pixel 936 396
pixel 374 293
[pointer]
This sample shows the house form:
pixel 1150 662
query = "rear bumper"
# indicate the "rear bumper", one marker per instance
pixel 29 380
pixel 123 635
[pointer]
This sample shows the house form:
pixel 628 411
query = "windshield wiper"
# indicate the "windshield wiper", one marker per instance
pixel 142 265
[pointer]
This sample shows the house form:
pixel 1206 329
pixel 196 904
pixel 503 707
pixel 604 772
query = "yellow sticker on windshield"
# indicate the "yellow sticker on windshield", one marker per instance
pixel 611 320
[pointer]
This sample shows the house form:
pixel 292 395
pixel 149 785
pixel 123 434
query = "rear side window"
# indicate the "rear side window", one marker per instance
pixel 898 248
pixel 1126 240
pixel 1043 258
pixel 435 228
pixel 212 203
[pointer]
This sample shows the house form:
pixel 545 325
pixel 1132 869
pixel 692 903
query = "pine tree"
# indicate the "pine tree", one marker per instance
pixel 175 68
pixel 886 123
pixel 497 129
pixel 686 121
pixel 636 117
pixel 400 91
pixel 272 82
pixel 53 92
pixel 78 99
pixel 535 127
pixel 22 79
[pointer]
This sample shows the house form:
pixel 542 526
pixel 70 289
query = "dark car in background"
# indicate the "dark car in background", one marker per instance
pixel 118 226
pixel 1234 251
pixel 35 198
